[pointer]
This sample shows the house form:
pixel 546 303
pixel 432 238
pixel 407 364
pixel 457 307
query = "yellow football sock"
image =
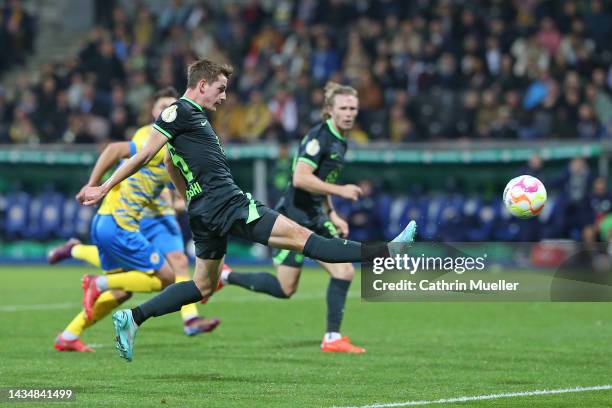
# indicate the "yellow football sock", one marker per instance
pixel 77 325
pixel 87 253
pixel 188 311
pixel 103 306
pixel 134 281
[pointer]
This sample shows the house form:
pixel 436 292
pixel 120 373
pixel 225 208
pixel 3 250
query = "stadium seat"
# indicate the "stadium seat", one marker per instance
pixel 477 219
pixel 83 221
pixel 434 209
pixel 17 205
pixel 69 215
pixel 32 229
pixel 382 210
pixel 450 222
pixel 506 227
pixel 396 218
pixel 51 214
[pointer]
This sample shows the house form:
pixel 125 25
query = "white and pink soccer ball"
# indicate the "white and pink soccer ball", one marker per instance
pixel 525 196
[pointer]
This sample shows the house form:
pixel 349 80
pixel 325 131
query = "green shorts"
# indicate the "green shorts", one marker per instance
pixel 210 243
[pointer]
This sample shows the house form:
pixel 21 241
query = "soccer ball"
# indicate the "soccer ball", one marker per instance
pixel 525 196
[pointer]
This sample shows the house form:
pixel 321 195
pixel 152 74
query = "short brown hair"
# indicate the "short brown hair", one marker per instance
pixel 167 92
pixel 207 70
pixel 331 90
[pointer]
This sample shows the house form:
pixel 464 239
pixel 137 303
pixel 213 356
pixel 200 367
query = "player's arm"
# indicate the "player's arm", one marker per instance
pixel 175 176
pixel 305 179
pixel 91 195
pixel 339 222
pixel 110 156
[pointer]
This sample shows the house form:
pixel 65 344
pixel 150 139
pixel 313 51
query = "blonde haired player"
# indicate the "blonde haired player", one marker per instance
pixel 307 201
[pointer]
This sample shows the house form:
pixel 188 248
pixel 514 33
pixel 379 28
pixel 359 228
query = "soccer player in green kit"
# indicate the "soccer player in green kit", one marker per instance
pixel 307 201
pixel 217 207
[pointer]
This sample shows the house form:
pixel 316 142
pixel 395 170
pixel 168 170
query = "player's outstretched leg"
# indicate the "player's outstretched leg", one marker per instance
pixel 287 234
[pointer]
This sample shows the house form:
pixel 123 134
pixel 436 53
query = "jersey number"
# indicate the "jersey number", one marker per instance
pixel 181 164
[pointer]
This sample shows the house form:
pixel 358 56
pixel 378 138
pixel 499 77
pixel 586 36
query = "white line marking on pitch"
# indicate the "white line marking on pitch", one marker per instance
pixel 488 397
pixel 217 300
pixel 20 308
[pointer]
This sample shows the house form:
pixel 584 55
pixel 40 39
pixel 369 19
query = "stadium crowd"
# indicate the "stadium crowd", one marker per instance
pixel 425 70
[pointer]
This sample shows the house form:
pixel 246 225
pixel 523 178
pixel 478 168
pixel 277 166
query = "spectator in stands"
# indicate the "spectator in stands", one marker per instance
pixel 6 54
pixel 5 112
pixel 535 168
pixel 58 123
pixel 587 127
pixel 325 59
pixel 257 118
pixel 228 122
pixel 20 29
pixel 599 23
pixel 103 12
pixel 574 211
pixel 284 113
pixel 173 14
pixel 600 204
pixel 401 129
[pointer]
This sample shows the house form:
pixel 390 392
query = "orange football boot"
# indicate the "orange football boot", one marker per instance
pixel 62 344
pixel 342 345
pixel 90 294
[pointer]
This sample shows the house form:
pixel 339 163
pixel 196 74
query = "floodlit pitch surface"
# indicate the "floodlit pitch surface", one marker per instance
pixel 265 353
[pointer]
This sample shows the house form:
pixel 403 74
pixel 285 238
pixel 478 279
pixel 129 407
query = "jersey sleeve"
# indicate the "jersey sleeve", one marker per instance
pixel 311 150
pixel 171 121
pixel 139 139
pixel 133 148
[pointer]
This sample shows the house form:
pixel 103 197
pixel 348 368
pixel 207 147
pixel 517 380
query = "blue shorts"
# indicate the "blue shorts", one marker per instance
pixel 121 249
pixel 164 232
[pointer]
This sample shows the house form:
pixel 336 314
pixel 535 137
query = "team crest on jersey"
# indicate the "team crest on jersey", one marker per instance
pixel 313 147
pixel 154 258
pixel 169 114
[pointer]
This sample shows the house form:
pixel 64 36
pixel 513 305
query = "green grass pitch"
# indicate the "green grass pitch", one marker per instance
pixel 265 353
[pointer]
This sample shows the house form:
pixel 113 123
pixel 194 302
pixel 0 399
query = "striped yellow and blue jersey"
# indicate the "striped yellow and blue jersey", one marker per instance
pixel 159 208
pixel 128 200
